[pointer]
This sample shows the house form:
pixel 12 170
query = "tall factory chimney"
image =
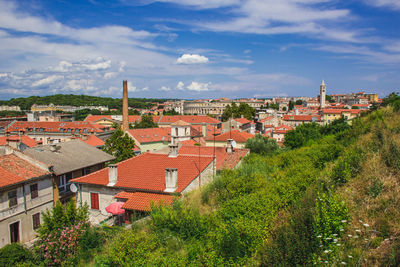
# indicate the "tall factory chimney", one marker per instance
pixel 125 117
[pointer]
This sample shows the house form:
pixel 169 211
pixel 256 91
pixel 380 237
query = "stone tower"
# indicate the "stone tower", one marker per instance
pixel 322 94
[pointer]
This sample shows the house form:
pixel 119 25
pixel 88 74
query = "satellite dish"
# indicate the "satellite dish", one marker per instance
pixel 233 143
pixel 73 188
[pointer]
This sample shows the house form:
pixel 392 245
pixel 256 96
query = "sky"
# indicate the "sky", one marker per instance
pixel 192 49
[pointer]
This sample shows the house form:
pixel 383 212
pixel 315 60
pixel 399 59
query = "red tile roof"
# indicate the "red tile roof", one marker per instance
pixel 224 160
pixel 59 126
pixel 239 137
pixel 192 119
pixel 142 201
pixel 209 129
pixel 14 170
pixel 242 120
pixel 301 117
pixel 23 138
pixel 339 111
pixel 93 141
pixel 150 135
pixel 147 172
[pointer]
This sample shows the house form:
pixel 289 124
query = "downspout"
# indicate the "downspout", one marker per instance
pixel 23 192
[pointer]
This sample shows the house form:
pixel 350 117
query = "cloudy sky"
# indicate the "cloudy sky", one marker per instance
pixel 198 48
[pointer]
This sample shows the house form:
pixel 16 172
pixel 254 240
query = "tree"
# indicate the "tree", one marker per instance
pixel 62 216
pixel 119 145
pixel 14 253
pixel 337 126
pixel 145 122
pixel 233 111
pixel 299 102
pixel 170 112
pixel 291 105
pixel 329 99
pixel 302 134
pixel 355 107
pixel 262 145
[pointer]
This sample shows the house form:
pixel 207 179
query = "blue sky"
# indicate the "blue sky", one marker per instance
pixel 198 48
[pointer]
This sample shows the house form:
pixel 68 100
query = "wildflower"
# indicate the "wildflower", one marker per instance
pixel 360 221
pixel 366 224
pixel 328 238
pixel 358 231
pixel 350 256
pixel 334 240
pixel 349 235
pixel 341 229
pixel 343 263
pixel 344 221
pixel 326 251
pixel 334 234
pixel 319 236
pixel 338 245
pixel 356 236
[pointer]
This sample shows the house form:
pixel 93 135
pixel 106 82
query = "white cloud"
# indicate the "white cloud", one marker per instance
pixel 203 4
pixel 146 88
pixel 180 85
pixel 199 87
pixel 109 75
pixel 131 87
pixel 192 59
pixel 165 88
pixel 393 4
pixel 48 80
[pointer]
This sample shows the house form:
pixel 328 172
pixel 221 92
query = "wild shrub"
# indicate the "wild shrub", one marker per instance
pixel 14 253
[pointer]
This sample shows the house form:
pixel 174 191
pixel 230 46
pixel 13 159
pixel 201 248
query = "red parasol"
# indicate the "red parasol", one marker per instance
pixel 115 208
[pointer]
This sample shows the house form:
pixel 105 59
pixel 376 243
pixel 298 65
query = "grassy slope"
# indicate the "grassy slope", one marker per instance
pixel 273 211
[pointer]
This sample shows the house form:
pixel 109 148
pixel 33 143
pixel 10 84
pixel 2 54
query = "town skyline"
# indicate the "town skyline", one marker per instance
pixel 190 50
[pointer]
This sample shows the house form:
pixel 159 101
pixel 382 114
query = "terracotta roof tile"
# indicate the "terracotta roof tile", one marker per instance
pixel 192 119
pixel 142 201
pixel 23 138
pixel 150 135
pixel 93 141
pixel 59 126
pixel 14 169
pixel 242 120
pixel 147 172
pixel 239 137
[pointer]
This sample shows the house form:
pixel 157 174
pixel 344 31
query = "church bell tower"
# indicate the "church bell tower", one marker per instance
pixel 322 94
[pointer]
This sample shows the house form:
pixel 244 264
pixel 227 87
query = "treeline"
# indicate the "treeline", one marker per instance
pixel 25 103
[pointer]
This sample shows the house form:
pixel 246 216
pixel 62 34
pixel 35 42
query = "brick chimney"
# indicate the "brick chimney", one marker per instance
pixel 171 179
pixel 112 174
pixel 125 117
pixel 173 150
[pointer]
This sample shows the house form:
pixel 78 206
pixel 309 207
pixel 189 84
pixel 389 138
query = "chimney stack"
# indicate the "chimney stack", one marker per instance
pixel 171 180
pixel 112 174
pixel 204 129
pixel 229 146
pixel 173 150
pixel 125 117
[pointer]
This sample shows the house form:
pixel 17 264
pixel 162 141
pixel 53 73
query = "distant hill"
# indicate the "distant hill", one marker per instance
pixel 25 103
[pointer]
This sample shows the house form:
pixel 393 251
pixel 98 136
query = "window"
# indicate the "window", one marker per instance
pixel 12 198
pixel 36 220
pixel 63 182
pixel 85 171
pixel 94 201
pixel 34 191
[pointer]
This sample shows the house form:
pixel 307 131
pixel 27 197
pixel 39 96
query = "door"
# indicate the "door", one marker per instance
pixel 94 201
pixel 14 232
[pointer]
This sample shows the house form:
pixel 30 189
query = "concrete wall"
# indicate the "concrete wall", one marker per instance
pixel 106 197
pixel 206 176
pixel 152 146
pixel 20 213
pixel 223 144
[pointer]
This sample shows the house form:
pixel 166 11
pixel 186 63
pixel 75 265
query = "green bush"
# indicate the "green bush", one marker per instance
pixel 15 253
pixel 262 145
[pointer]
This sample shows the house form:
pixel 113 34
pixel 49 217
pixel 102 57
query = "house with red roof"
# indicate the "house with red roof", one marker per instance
pixel 221 140
pixel 294 120
pixel 278 133
pixel 141 180
pixel 55 132
pixel 92 140
pixel 241 124
pixel 20 142
pixel 150 139
pixel 26 190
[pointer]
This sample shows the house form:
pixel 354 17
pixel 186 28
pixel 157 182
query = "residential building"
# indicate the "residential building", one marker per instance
pixel 26 190
pixel 70 160
pixel 296 120
pixel 144 178
pixel 240 139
